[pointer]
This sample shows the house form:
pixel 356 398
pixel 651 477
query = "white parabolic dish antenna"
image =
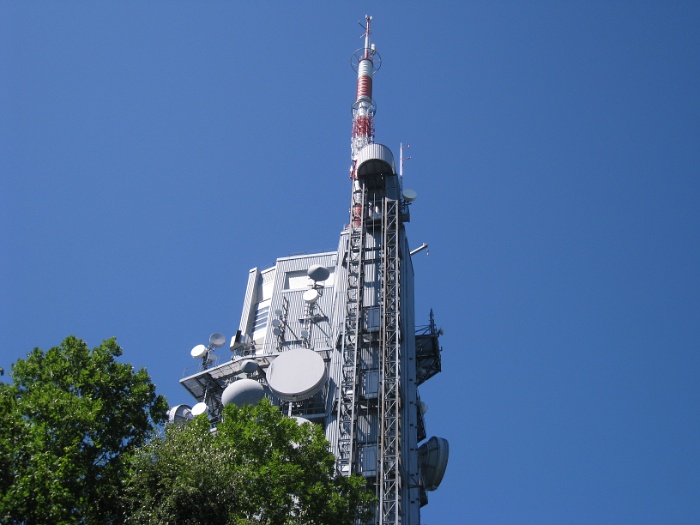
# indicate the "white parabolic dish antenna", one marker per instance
pixel 318 273
pixel 296 374
pixel 198 351
pixel 217 340
pixel 249 366
pixel 310 296
pixel 199 408
pixel 409 195
pixel 179 414
pixel 434 454
pixel 243 392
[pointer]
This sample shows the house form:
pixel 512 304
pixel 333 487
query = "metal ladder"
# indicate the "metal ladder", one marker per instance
pixel 390 366
pixel 352 338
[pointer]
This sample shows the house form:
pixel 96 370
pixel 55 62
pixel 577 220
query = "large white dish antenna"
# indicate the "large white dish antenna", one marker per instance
pixel 198 351
pixel 296 374
pixel 243 392
pixel 318 273
pixel 199 409
pixel 434 454
pixel 217 340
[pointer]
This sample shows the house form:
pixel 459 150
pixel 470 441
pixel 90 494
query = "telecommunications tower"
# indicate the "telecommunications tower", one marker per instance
pixel 331 337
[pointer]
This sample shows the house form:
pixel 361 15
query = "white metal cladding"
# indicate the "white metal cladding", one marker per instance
pixel 411 490
pixel 374 159
pixel 338 318
pixel 365 68
pixel 268 278
pixel 298 315
pixel 249 301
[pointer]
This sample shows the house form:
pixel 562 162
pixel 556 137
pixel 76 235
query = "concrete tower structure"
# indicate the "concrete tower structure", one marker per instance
pixel 331 337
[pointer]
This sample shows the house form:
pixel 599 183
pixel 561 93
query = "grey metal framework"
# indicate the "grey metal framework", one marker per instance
pixel 390 450
pixel 352 338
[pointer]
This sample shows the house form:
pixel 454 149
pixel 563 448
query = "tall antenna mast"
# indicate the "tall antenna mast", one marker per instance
pixel 366 61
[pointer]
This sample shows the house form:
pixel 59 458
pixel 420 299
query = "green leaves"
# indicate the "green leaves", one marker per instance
pixel 70 419
pixel 256 467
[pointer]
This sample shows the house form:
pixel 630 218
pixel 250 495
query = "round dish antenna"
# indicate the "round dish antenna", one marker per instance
pixel 249 366
pixel 318 273
pixel 243 392
pixel 311 296
pixel 199 409
pixel 296 374
pixel 198 351
pixel 409 195
pixel 180 414
pixel 434 454
pixel 276 323
pixel 217 340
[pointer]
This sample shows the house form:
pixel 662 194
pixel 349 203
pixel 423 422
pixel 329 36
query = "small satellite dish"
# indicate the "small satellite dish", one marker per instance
pixel 276 331
pixel 198 351
pixel 310 296
pixel 278 312
pixel 276 323
pixel 217 340
pixel 318 273
pixel 305 334
pixel 249 366
pixel 409 195
pixel 199 408
pixel 423 408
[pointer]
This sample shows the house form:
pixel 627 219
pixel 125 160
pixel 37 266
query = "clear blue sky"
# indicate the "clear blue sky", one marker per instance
pixel 151 153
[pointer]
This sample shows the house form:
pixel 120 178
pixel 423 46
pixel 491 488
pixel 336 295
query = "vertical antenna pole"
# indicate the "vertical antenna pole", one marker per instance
pixel 366 61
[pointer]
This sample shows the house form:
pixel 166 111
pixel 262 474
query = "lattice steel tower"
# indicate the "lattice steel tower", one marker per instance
pixel 331 337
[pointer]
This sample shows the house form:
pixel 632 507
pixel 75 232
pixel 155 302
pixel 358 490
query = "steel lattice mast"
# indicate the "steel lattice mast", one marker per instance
pixel 380 239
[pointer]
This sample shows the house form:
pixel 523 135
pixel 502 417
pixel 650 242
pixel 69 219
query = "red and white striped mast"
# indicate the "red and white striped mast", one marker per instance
pixel 366 61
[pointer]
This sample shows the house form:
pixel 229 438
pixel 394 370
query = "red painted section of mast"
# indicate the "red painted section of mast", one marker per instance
pixel 363 109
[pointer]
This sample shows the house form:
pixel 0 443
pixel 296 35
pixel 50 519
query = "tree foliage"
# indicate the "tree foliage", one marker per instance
pixel 69 421
pixel 256 467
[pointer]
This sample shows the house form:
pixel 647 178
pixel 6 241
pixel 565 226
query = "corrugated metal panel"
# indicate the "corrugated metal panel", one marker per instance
pixel 368 460
pixel 369 357
pixel 291 270
pixel 374 159
pixel 370 384
pixel 249 300
pixel 367 428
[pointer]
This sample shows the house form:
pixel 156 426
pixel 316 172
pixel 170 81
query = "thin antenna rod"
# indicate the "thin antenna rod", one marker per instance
pixel 402 158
